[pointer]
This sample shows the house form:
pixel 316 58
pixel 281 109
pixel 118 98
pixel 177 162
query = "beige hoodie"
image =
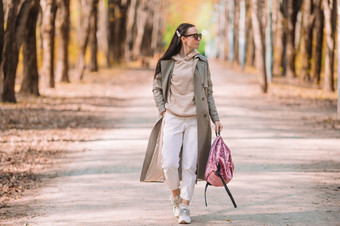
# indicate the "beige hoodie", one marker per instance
pixel 181 93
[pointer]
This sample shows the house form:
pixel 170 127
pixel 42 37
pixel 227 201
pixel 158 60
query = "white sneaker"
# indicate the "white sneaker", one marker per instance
pixel 184 215
pixel 176 201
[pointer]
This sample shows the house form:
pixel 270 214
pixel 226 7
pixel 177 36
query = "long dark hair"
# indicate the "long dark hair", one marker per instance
pixel 175 45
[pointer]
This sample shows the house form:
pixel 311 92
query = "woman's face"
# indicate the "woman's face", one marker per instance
pixel 190 41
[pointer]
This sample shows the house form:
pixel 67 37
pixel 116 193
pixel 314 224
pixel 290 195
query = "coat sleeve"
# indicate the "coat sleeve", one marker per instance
pixel 211 102
pixel 158 93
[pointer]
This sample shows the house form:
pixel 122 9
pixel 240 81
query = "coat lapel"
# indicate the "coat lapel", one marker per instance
pixel 167 68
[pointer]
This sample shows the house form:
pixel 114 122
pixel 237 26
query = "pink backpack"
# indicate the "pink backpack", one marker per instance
pixel 220 167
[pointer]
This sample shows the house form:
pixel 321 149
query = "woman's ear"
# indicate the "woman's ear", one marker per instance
pixel 182 38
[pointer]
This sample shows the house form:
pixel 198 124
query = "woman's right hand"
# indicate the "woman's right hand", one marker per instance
pixel 163 113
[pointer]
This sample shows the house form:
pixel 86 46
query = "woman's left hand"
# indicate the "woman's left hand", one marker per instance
pixel 218 126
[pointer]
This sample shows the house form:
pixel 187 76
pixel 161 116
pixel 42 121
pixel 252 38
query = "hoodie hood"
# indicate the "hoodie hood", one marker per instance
pixel 178 57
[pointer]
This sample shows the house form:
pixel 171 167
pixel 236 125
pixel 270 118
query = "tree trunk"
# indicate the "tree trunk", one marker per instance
pixel 236 30
pixel 330 25
pixel 117 22
pixel 87 7
pixel 280 12
pixel 130 24
pixel 49 8
pixel 318 37
pixel 30 82
pixel 2 33
pixel 121 32
pixel 142 13
pixel 242 34
pixel 269 42
pixel 10 54
pixel 257 15
pixel 146 49
pixel 226 30
pixel 250 48
pixel 293 9
pixel 63 25
pixel 156 26
pixel 221 30
pixel 231 32
pixel 102 25
pixel 93 37
pixel 307 25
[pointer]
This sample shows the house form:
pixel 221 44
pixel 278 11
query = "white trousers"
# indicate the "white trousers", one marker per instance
pixel 178 132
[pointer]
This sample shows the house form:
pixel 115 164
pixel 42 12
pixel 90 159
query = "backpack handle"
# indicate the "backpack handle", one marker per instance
pixel 218 133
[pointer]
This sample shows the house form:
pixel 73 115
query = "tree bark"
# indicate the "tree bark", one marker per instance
pixel 330 7
pixel 130 24
pixel 257 15
pixel 231 32
pixel 280 12
pixel 142 13
pixel 250 47
pixel 49 8
pixel 2 34
pixel 30 82
pixel 93 37
pixel 242 34
pixel 87 7
pixel 307 25
pixel 102 25
pixel 117 22
pixel 10 54
pixel 236 30
pixel 226 30
pixel 146 49
pixel 318 37
pixel 293 9
pixel 157 24
pixel 63 25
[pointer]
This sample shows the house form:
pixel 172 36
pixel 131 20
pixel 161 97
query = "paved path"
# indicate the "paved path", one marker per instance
pixel 287 170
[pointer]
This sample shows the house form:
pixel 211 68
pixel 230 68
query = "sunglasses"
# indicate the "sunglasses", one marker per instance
pixel 196 36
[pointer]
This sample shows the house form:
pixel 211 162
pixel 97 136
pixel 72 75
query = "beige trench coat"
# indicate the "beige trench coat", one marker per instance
pixel 205 109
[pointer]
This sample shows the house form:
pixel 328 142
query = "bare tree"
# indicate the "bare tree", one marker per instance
pixel 306 50
pixel 117 22
pixel 10 53
pixel 87 8
pixel 318 43
pixel 250 46
pixel 20 28
pixel 279 40
pixel 330 25
pixel 157 25
pixel 2 34
pixel 146 49
pixel 130 25
pixel 30 82
pixel 221 29
pixel 93 38
pixel 142 14
pixel 236 30
pixel 63 27
pixel 49 8
pixel 257 14
pixel 293 9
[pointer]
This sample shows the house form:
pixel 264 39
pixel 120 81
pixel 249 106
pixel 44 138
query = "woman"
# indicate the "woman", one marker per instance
pixel 179 143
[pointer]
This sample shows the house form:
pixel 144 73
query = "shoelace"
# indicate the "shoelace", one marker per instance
pixel 185 211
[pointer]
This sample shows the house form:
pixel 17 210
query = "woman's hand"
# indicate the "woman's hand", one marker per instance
pixel 218 126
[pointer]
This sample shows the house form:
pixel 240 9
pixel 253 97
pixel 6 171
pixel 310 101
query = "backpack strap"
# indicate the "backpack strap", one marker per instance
pixel 205 193
pixel 225 185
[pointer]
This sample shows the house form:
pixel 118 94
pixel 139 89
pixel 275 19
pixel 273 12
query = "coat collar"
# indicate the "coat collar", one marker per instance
pixel 166 63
